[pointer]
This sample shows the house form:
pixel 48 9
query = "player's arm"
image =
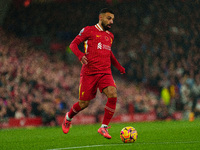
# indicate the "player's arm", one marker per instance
pixel 83 35
pixel 74 47
pixel 117 64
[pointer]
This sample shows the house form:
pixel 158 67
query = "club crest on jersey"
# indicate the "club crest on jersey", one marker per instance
pixel 81 32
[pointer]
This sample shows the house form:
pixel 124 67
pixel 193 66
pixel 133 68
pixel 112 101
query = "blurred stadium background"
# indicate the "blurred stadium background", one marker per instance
pixel 158 42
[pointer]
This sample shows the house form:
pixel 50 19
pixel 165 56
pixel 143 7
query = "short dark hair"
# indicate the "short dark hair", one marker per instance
pixel 105 10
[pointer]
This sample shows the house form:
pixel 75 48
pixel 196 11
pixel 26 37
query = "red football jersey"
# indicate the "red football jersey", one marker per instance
pixel 97 46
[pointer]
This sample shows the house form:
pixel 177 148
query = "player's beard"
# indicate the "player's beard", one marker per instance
pixel 106 26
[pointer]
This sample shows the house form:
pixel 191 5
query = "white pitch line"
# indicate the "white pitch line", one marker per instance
pixel 126 144
pixel 88 146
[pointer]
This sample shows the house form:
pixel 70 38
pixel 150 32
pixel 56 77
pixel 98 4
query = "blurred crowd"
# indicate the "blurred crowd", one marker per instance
pixel 33 84
pixel 157 42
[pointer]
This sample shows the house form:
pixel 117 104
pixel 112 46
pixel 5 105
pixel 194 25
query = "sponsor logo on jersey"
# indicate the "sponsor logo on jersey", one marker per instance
pixel 99 45
pixel 107 47
pixel 103 46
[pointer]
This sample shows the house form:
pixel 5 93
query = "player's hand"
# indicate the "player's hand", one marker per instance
pixel 84 60
pixel 122 70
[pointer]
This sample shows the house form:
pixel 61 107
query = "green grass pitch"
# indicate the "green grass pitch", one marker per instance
pixel 163 135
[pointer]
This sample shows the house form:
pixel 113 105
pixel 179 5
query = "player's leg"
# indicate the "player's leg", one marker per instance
pixel 111 93
pixel 87 91
pixel 75 109
pixel 108 87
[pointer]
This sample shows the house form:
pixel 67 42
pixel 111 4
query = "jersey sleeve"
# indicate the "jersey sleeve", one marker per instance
pixel 116 63
pixel 82 36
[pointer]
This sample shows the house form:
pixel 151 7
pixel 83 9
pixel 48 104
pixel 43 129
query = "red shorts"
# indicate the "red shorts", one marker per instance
pixel 89 84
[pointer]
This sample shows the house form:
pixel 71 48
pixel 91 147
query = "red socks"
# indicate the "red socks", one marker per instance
pixel 109 110
pixel 74 110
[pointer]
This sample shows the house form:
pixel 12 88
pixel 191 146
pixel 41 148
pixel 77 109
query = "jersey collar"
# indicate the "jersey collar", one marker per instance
pixel 98 27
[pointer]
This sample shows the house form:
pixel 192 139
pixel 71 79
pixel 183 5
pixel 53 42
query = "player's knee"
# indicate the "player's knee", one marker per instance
pixel 112 92
pixel 83 104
